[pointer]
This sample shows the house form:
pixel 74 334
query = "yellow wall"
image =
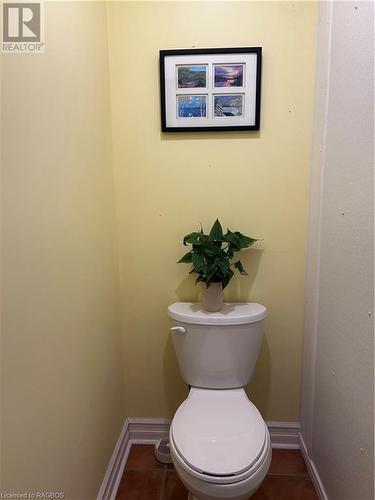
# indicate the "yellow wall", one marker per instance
pixel 66 370
pixel 167 184
pixel 61 392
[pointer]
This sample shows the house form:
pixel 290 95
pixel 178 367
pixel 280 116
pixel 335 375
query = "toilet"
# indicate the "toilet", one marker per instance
pixel 219 443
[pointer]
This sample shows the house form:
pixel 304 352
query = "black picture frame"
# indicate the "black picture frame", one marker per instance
pixel 164 54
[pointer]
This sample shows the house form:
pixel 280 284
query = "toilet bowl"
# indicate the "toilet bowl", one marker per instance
pixel 219 443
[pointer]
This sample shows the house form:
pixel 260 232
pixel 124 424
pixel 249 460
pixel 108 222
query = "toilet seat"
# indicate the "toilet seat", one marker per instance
pixel 219 435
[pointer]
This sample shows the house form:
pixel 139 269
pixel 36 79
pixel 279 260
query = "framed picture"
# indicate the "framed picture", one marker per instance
pixel 210 89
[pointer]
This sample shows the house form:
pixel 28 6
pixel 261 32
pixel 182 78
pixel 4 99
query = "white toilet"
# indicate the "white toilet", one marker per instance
pixel 219 442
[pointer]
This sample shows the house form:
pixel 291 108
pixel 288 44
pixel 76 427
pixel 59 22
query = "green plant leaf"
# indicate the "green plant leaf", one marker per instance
pixel 216 231
pixel 209 250
pixel 191 238
pixel 227 278
pixel 212 253
pixel 233 239
pixel 245 241
pixel 186 259
pixel 238 265
pixel 211 271
pixel 225 273
pixel 198 261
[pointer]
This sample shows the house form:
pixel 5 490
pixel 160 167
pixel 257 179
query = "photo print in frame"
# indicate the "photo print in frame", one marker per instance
pixel 205 90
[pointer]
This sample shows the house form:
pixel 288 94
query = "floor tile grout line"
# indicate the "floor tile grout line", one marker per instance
pixel 144 468
pixel 163 483
pixel 282 474
pixel 166 470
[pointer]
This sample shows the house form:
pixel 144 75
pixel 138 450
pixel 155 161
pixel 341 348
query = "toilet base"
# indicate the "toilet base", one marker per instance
pixel 192 497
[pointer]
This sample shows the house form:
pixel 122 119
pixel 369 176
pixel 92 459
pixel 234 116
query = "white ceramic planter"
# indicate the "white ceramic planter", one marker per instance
pixel 212 297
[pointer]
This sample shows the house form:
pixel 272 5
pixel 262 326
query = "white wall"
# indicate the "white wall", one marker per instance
pixel 337 404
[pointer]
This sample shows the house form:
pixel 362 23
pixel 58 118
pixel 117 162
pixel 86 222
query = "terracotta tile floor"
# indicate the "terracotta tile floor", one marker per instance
pixel 145 478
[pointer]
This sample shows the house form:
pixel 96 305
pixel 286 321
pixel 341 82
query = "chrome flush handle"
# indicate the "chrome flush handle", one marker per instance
pixel 177 329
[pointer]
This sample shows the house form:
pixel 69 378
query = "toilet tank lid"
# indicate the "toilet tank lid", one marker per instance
pixel 232 313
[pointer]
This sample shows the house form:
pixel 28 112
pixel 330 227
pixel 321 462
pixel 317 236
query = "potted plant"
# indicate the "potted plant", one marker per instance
pixel 211 257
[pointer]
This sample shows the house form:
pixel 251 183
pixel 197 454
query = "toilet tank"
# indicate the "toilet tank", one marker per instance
pixel 217 350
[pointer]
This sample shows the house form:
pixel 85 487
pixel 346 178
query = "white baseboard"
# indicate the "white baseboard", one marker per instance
pixel 284 435
pixel 149 430
pixel 312 470
pixel 116 465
